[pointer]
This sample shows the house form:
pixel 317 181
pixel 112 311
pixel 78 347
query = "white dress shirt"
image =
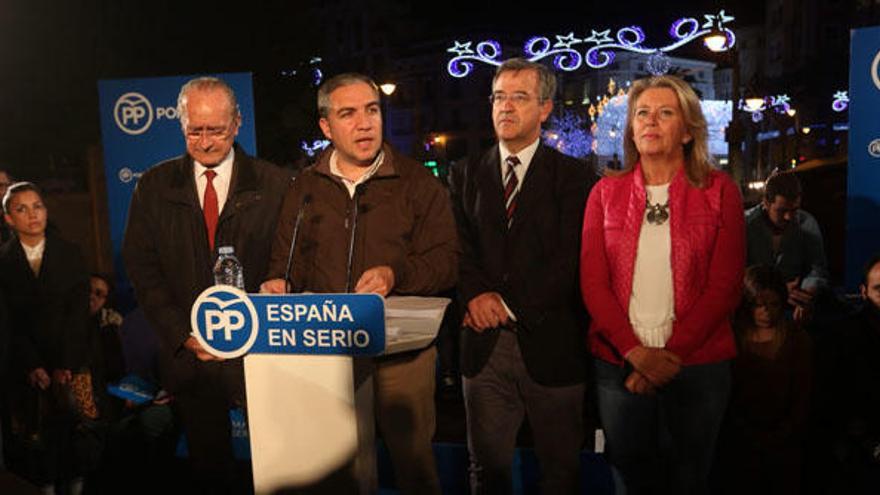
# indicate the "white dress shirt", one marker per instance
pixel 351 185
pixel 525 156
pixel 221 181
pixel 34 255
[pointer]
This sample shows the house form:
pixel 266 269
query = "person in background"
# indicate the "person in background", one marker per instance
pixel 661 271
pixel 848 398
pixel 5 181
pixel 106 359
pixel 763 438
pixel 779 233
pixel 46 287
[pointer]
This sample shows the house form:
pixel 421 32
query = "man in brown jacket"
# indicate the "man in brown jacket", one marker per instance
pixel 373 221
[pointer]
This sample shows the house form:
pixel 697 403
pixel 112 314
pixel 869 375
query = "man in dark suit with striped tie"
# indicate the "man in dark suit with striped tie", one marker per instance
pixel 519 211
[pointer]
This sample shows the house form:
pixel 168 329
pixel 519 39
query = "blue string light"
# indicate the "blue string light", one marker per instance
pixel 601 54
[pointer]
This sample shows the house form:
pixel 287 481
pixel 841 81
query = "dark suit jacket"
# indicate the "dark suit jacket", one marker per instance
pixel 47 313
pixel 533 265
pixel 168 260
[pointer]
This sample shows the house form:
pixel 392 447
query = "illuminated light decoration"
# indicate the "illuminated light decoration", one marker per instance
pixel 754 105
pixel 780 103
pixel 318 76
pixel 756 185
pixel 601 54
pixel 609 127
pixel 487 52
pixel 764 136
pixel 757 117
pixel 658 64
pixel 718 116
pixel 315 147
pixel 841 101
pixel 565 58
pixel 840 127
pixel 568 133
pixel 607 130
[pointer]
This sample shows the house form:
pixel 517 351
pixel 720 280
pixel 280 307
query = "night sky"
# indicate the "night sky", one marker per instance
pixel 52 53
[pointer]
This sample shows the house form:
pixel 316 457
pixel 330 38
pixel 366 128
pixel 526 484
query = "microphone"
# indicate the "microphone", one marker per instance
pixel 358 191
pixel 299 216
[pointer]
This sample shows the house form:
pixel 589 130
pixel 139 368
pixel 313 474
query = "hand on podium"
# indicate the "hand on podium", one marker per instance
pixel 274 286
pixel 192 345
pixel 376 280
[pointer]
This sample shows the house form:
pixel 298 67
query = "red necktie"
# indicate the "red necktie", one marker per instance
pixel 210 207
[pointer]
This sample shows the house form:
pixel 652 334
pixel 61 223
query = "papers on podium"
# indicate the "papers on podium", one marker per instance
pixel 412 322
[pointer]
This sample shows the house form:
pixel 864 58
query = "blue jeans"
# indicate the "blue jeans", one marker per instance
pixel 663 443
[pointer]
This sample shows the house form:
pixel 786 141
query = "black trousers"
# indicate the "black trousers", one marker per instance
pixel 203 410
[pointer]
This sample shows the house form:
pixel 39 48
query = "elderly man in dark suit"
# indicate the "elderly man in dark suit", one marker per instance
pixel 519 212
pixel 182 211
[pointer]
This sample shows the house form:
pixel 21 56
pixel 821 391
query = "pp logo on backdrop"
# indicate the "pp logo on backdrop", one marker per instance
pixel 224 321
pixel 133 113
pixel 875 70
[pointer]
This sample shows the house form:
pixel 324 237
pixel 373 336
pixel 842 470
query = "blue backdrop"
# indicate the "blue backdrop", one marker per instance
pixel 863 176
pixel 140 128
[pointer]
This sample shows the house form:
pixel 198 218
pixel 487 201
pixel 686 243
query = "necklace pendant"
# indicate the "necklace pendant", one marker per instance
pixel 657 214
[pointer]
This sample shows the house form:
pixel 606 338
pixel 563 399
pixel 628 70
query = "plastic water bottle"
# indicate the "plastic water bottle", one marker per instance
pixel 228 270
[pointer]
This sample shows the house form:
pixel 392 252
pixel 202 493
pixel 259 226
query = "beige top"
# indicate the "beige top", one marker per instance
pixel 652 305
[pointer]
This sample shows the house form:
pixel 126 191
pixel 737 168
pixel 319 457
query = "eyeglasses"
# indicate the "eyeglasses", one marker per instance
pixel 209 132
pixel 517 99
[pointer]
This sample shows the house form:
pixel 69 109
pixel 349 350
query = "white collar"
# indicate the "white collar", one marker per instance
pixel 525 155
pixel 223 169
pixel 36 252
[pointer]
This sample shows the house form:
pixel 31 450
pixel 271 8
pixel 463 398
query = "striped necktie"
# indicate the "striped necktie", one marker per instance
pixel 510 187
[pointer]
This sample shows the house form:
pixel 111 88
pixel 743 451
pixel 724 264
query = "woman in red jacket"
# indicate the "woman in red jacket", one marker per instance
pixel 661 272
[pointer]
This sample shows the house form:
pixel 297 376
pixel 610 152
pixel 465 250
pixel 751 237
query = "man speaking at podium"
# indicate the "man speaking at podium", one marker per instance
pixel 366 219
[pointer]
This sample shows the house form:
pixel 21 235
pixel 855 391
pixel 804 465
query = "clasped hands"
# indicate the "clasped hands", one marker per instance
pixel 652 368
pixel 485 311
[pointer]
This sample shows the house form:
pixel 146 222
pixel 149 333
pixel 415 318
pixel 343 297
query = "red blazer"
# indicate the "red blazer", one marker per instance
pixel 708 252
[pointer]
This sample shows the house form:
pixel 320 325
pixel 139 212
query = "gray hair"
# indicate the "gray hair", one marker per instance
pixel 205 83
pixel 546 78
pixel 338 81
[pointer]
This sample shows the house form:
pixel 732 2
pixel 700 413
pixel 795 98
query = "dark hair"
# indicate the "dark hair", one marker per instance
pixel 111 290
pixel 18 188
pixel 785 184
pixel 873 260
pixel 757 279
pixel 546 78
pixel 338 81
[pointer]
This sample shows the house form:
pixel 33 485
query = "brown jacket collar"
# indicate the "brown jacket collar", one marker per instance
pixel 386 169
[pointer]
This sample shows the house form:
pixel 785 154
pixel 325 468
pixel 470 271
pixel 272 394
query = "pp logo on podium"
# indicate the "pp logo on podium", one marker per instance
pixel 224 321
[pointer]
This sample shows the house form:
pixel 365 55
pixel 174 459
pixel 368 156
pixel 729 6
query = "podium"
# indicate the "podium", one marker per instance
pixel 309 381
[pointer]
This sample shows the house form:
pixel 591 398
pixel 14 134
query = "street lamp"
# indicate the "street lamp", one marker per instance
pixel 388 89
pixel 719 40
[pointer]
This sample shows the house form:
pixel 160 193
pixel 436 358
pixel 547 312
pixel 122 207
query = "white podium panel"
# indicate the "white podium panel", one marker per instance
pixel 301 417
